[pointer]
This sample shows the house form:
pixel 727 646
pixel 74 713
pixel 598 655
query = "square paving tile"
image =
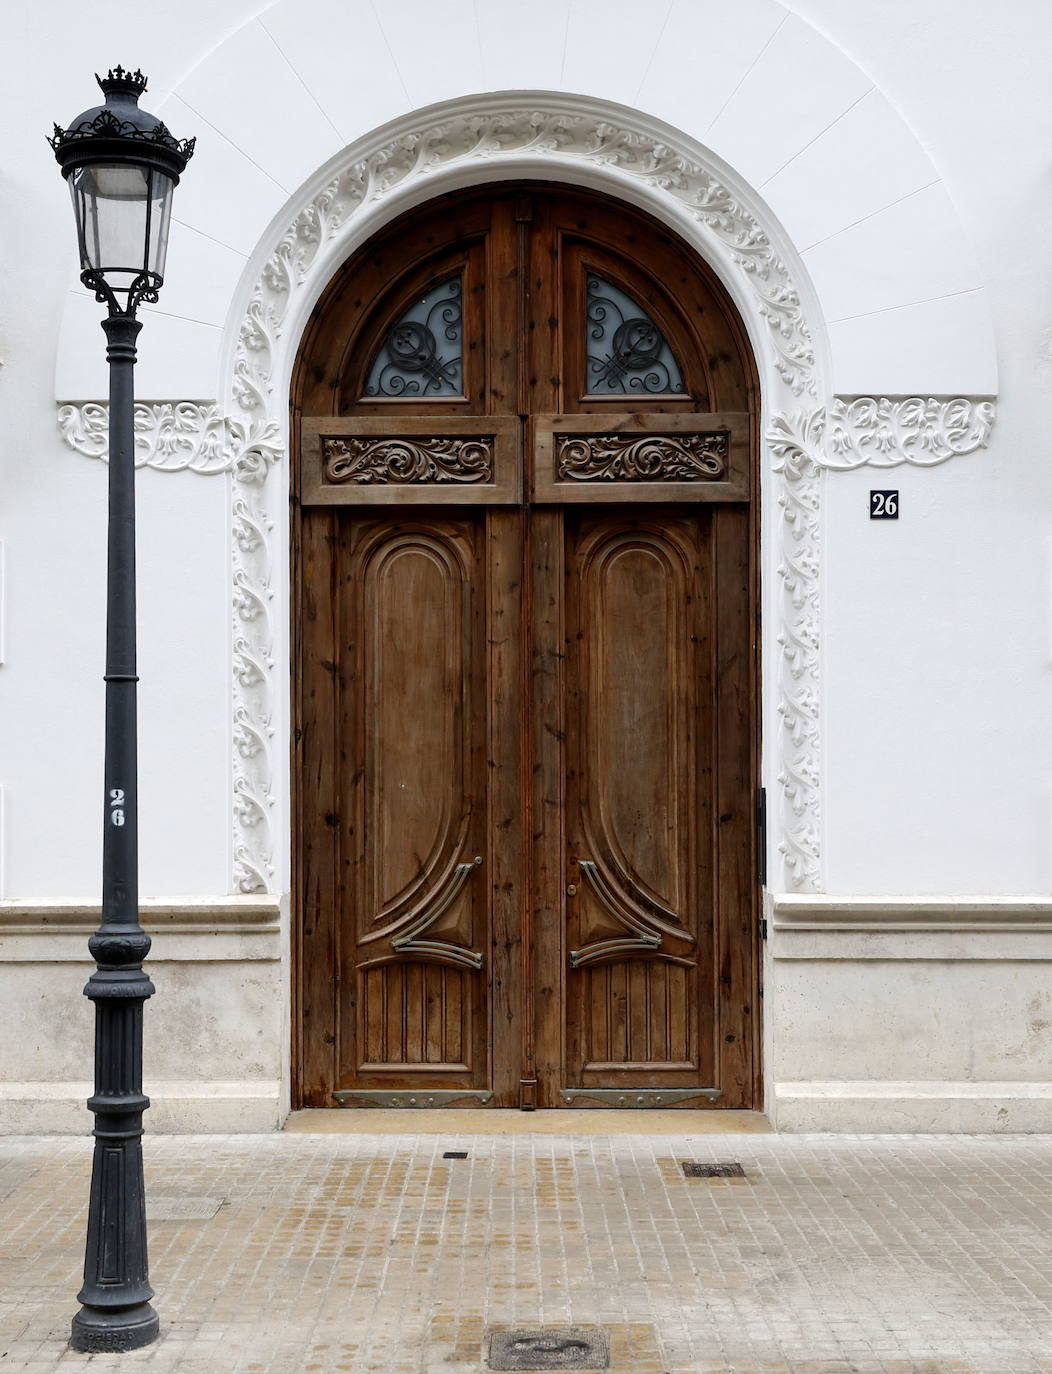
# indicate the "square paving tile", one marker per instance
pixel 375 1254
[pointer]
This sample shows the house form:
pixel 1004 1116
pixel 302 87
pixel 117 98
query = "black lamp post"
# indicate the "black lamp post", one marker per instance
pixel 122 165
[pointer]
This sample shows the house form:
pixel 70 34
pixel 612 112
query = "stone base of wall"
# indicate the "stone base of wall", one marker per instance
pixel 909 1014
pixel 912 1108
pixel 880 1015
pixel 175 1108
pixel 216 1033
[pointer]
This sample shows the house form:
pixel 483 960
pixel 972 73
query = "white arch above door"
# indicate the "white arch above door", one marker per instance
pixel 223 349
pixel 773 102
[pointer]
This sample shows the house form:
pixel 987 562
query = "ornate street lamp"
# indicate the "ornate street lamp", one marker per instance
pixel 122 165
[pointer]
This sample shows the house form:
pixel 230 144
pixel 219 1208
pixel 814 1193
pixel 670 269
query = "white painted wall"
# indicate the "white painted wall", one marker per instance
pixel 904 149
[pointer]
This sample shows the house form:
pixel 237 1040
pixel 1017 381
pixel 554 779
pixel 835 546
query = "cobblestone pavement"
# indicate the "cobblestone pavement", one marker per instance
pixel 374 1253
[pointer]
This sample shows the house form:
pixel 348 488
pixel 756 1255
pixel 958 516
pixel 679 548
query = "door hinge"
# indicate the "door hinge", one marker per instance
pixel 761 838
pixel 763 927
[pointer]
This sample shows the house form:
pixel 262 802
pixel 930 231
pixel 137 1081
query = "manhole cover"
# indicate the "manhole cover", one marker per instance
pixel 566 1347
pixel 694 1168
pixel 182 1208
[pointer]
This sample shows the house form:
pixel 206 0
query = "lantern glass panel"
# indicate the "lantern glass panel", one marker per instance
pixel 123 213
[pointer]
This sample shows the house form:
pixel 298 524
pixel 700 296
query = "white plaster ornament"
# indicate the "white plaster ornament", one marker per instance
pixel 805 431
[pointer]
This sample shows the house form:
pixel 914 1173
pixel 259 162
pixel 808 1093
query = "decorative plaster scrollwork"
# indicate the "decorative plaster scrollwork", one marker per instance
pixel 837 433
pixel 175 436
pixel 252 665
pixel 470 138
pixel 886 431
pixel 465 139
pixel 794 440
pixel 198 437
pixel 169 436
pixel 882 431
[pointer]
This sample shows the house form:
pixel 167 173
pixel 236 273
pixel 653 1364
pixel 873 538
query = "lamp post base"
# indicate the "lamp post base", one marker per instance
pixel 114 1332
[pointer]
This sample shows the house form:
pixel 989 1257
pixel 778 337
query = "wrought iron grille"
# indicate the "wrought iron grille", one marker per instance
pixel 422 354
pixel 627 352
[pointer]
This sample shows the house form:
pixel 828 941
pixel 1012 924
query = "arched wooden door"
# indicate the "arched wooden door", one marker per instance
pixel 525 667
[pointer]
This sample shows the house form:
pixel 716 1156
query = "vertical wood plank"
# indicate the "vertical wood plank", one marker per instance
pixel 738 917
pixel 453 1015
pixel 316 758
pixel 547 731
pixel 372 994
pixel 636 990
pixel 505 814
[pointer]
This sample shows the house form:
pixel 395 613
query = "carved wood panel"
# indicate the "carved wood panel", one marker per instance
pixel 413 841
pixel 630 457
pixel 404 462
pixel 410 460
pixel 638 760
pixel 640 458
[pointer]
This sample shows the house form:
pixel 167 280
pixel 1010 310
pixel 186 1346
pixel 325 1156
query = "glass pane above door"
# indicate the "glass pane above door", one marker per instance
pixel 421 354
pixel 627 352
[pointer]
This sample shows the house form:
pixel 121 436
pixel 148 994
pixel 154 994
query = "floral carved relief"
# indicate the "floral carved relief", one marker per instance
pixel 885 432
pixel 635 458
pixel 404 462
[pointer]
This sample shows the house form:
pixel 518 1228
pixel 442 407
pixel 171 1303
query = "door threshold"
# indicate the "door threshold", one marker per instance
pixel 509 1121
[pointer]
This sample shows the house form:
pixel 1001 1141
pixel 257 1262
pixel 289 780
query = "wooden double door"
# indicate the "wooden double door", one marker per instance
pixel 525 658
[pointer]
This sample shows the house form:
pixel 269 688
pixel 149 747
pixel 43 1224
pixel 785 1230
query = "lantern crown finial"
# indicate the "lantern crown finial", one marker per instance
pixel 118 81
pixel 104 129
pixel 122 164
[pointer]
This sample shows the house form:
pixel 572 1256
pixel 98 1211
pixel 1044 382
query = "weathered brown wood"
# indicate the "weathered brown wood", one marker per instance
pixel 413 841
pixel 736 766
pixel 429 436
pixel 505 816
pixel 317 750
pixel 637 794
pixel 534 670
pixel 547 729
pixel 734 431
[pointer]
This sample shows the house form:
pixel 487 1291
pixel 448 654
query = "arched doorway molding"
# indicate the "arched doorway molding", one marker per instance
pixel 617 151
pixel 807 429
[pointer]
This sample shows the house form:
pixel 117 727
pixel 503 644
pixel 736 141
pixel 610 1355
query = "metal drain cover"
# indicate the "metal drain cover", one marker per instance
pixel 694 1168
pixel 563 1347
pixel 454 1154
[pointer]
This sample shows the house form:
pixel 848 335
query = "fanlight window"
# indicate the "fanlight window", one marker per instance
pixel 627 352
pixel 422 353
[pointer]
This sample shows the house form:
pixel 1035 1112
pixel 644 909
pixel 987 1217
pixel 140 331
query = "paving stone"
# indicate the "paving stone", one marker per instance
pixel 839 1255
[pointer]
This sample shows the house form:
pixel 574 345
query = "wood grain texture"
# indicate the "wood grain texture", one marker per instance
pixel 554 673
pixel 412 896
pixel 499 434
pixel 550 485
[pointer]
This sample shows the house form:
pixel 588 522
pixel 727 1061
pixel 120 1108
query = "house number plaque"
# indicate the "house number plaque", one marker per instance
pixel 883 505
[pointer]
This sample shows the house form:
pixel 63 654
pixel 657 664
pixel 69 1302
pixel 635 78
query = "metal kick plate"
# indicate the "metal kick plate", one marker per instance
pixel 565 1347
pixel 438 1097
pixel 638 1097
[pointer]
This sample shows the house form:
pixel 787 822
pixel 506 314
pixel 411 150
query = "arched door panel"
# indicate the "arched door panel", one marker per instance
pixel 526 745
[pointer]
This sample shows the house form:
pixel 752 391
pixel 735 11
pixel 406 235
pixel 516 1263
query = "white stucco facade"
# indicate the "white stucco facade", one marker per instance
pixel 872 186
